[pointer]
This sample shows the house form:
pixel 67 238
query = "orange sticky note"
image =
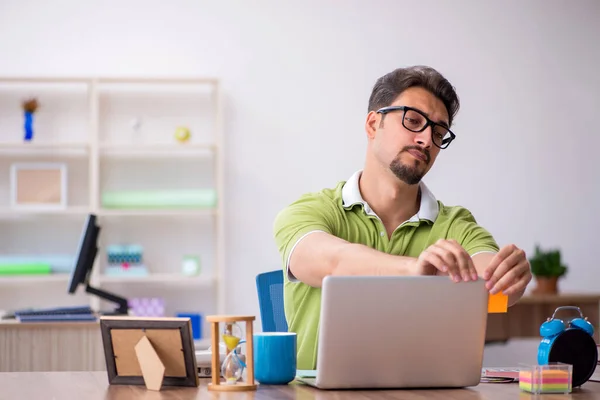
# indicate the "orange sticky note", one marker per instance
pixel 497 303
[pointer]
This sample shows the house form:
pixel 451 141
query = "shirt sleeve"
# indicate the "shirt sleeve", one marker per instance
pixel 311 213
pixel 472 237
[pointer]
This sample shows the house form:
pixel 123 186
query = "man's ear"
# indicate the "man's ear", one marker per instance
pixel 372 124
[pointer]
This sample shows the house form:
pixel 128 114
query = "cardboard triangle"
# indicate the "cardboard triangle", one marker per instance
pixel 152 367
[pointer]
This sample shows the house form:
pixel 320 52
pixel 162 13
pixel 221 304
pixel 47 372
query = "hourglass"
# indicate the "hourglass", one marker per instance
pixel 234 363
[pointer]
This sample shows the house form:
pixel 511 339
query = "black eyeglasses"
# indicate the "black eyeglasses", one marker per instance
pixel 416 121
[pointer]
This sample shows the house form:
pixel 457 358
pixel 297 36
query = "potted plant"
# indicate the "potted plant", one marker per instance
pixel 547 268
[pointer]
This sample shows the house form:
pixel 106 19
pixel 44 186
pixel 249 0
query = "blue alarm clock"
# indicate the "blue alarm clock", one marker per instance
pixel 569 343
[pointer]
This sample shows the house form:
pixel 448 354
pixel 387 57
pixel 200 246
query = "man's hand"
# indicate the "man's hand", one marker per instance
pixel 509 271
pixel 446 256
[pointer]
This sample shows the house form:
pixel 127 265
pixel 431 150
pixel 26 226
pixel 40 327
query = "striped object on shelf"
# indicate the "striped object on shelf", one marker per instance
pixel 25 268
pixel 200 198
pixel 124 254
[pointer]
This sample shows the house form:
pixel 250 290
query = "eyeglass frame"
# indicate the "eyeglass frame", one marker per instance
pixel 385 110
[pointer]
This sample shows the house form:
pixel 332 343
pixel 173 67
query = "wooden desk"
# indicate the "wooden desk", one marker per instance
pixel 49 346
pixel 524 318
pixel 94 385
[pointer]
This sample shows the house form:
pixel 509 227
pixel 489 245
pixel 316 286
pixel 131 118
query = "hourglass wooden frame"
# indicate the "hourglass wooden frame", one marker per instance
pixel 215 384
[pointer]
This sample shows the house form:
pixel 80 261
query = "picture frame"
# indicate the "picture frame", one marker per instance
pixel 38 186
pixel 151 351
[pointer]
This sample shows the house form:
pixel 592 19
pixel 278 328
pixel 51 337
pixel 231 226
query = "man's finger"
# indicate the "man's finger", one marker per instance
pixel 447 258
pixel 505 265
pixel 468 266
pixel 523 280
pixel 465 264
pixel 507 280
pixel 515 267
pixel 446 248
pixel 429 257
pixel 497 259
pixel 519 286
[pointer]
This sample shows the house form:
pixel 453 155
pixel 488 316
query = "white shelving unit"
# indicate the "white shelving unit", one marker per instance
pixel 117 134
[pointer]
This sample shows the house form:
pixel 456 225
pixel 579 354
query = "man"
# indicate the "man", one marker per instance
pixel 384 220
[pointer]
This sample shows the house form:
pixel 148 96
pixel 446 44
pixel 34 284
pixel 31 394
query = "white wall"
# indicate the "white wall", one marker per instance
pixel 297 76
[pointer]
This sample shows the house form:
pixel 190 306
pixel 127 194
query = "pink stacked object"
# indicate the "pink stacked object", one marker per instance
pixel 147 307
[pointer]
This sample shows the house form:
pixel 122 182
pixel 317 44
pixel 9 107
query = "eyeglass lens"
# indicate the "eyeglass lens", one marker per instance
pixel 416 122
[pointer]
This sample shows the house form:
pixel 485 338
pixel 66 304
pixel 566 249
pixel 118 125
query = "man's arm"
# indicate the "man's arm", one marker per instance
pixel 305 235
pixel 319 254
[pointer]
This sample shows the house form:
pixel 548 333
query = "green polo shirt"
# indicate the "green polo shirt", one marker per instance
pixel 342 212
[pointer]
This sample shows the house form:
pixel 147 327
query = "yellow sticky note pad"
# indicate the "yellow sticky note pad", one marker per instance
pixel 497 303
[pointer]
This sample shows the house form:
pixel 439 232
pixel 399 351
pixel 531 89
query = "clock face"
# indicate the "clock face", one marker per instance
pixel 577 348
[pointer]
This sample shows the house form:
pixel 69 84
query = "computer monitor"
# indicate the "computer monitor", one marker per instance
pixel 84 263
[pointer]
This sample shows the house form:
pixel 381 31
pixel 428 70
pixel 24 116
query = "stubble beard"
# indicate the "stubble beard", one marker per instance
pixel 411 175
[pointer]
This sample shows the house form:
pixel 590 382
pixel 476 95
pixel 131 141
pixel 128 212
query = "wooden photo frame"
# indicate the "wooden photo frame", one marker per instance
pixel 155 352
pixel 38 186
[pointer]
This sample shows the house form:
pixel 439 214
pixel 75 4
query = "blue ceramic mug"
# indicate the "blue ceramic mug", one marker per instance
pixel 274 357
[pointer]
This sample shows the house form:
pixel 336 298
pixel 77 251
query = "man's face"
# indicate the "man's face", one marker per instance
pixel 409 155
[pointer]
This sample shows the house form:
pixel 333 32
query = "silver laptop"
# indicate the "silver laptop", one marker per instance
pixel 399 332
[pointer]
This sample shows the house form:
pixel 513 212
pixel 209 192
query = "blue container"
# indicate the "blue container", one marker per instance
pixel 274 357
pixel 196 320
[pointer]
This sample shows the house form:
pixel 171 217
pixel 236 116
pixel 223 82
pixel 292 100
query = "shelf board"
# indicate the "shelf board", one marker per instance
pixel 111 79
pixel 157 80
pixel 7 280
pixel 157 213
pixel 24 148
pixel 7 212
pixel 157 150
pixel 42 79
pixel 160 278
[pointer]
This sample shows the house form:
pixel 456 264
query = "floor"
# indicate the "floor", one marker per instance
pixel 511 354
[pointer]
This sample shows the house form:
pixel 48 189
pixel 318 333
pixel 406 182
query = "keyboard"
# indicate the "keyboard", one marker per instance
pixel 76 313
pixel 53 311
pixel 58 318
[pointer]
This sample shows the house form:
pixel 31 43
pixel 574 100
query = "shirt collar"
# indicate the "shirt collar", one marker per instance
pixel 428 210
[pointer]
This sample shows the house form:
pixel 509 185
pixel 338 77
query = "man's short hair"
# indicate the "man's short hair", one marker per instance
pixel 388 88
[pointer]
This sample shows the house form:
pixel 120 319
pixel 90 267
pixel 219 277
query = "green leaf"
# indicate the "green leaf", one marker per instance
pixel 547 262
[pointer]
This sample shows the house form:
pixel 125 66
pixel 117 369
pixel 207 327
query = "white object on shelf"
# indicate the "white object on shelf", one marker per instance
pixel 190 265
pixel 136 124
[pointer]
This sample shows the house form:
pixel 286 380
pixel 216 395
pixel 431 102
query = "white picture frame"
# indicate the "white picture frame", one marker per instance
pixel 38 186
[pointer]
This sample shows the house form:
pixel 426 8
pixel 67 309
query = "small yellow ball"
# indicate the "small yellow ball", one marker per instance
pixel 182 134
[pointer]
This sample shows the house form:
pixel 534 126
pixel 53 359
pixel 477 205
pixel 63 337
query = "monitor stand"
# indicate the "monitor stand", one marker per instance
pixel 123 307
